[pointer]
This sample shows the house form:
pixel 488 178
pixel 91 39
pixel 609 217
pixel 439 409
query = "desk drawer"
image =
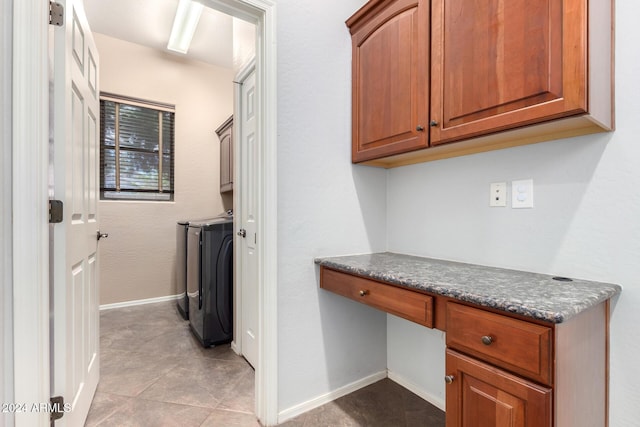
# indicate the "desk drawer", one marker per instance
pixel 404 303
pixel 516 345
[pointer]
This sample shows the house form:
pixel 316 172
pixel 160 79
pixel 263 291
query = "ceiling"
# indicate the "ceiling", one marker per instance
pixel 148 23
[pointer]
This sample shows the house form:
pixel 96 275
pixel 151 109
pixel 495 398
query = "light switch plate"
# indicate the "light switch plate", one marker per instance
pixel 498 194
pixel 522 194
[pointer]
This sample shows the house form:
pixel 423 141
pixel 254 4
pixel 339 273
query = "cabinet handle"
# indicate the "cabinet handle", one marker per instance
pixel 487 340
pixel 433 123
pixel 364 292
pixel 420 128
pixel 449 379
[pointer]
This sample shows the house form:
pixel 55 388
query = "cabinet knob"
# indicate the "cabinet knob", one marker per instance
pixel 449 379
pixel 364 292
pixel 487 340
pixel 433 123
pixel 420 128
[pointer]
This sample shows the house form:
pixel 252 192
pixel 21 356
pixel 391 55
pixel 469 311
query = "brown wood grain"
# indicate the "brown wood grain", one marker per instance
pixel 404 303
pixel 498 65
pixel 484 396
pixel 582 369
pixel 390 88
pixel 547 131
pixel 518 346
pixel 570 357
pixel 491 74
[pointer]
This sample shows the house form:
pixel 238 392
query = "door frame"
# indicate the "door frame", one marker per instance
pixel 240 77
pixel 30 229
pixel 6 244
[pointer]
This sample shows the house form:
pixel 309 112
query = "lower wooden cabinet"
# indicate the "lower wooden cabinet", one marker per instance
pixel 404 303
pixel 512 344
pixel 503 370
pixel 481 395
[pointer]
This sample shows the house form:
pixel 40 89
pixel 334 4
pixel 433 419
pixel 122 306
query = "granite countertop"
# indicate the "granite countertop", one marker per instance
pixel 533 295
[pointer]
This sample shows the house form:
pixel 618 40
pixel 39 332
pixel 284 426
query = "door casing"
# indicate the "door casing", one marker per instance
pixel 241 272
pixel 29 255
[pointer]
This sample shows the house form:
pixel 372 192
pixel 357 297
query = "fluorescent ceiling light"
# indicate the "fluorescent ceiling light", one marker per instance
pixel 184 25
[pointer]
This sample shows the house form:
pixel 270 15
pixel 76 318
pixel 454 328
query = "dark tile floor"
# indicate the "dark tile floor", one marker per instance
pixel 382 404
pixel 154 373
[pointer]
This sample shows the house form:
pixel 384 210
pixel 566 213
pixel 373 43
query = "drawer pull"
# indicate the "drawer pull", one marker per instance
pixel 487 340
pixel 449 379
pixel 364 292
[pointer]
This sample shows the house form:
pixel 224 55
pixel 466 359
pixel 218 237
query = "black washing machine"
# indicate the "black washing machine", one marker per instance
pixel 182 228
pixel 210 279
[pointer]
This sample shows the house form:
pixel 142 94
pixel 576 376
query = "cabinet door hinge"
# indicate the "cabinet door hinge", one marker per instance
pixel 56 14
pixel 57 408
pixel 55 211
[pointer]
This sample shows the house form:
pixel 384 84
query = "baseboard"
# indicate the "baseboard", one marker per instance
pixel 301 408
pixel 235 348
pixel 436 401
pixel 138 302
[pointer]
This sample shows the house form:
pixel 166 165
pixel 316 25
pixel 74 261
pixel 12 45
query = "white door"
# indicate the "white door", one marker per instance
pixel 75 363
pixel 249 147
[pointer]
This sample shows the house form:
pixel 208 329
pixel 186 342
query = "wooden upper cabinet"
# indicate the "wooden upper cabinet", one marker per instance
pixel 390 41
pixel 225 134
pixel 500 74
pixel 499 64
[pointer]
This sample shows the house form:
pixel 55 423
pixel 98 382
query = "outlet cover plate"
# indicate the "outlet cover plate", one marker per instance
pixel 522 194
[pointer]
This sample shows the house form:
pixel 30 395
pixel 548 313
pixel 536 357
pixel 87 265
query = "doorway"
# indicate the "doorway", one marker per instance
pixel 29 144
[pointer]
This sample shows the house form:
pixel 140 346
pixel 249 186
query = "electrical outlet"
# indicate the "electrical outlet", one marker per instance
pixel 522 194
pixel 498 194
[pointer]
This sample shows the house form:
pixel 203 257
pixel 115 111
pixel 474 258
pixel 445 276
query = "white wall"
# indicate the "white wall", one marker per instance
pixel 138 258
pixel 585 223
pixel 6 283
pixel 325 206
pixel 415 358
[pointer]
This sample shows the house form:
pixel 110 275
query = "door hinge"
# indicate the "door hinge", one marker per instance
pixel 57 408
pixel 56 14
pixel 55 211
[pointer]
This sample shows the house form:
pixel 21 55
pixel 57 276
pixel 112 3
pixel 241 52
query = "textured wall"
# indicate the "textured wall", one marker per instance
pixel 325 206
pixel 138 258
pixel 585 223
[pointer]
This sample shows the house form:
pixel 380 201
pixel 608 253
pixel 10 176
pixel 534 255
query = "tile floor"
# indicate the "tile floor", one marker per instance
pixel 154 373
pixel 383 404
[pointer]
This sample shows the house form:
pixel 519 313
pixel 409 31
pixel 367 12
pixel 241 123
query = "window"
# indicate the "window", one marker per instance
pixel 136 149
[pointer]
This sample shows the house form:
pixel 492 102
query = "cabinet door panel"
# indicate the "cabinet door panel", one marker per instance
pixel 225 134
pixel 225 164
pixel 489 406
pixel 390 81
pixel 410 305
pixel 516 345
pixel 499 64
pixel 484 396
pixel 508 66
